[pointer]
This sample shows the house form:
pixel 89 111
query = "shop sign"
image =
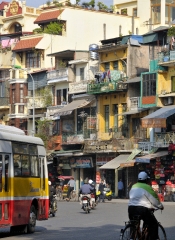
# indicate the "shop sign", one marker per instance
pixel 77 87
pixel 154 123
pixel 127 164
pixel 91 122
pixel 81 162
pixel 103 160
pixel 142 160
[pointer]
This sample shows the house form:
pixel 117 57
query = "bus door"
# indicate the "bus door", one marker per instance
pixel 5 197
pixel 43 209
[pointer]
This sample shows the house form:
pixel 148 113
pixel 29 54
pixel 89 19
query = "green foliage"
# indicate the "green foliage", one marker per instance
pixel 77 2
pixel 171 31
pixel 46 95
pixel 48 3
pixel 53 28
pixel 44 127
pixel 102 6
pixel 38 30
pixel 92 3
pixel 55 1
pixel 85 4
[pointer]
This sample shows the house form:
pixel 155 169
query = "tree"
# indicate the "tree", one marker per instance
pixel 45 132
pixel 46 96
pixel 53 28
pixel 38 30
pixel 92 3
pixel 48 3
pixel 102 6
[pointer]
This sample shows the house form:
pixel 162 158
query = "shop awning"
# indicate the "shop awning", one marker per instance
pixel 115 163
pixel 133 80
pixel 147 158
pixel 67 110
pixel 158 118
pixel 129 161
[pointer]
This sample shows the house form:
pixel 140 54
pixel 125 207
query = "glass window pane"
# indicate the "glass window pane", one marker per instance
pixel 6 172
pixel 17 165
pixel 34 166
pixel 33 150
pixel 106 118
pixel 25 164
pixel 155 10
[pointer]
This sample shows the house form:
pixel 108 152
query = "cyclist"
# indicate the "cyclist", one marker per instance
pixel 142 199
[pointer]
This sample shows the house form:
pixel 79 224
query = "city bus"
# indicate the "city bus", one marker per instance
pixel 24 192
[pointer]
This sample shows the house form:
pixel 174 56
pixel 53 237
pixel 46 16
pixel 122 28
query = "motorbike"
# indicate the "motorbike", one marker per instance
pixel 107 194
pixel 86 203
pixel 53 206
pixel 94 202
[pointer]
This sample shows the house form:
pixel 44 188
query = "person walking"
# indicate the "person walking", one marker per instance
pixel 120 188
pixel 101 189
pixel 71 185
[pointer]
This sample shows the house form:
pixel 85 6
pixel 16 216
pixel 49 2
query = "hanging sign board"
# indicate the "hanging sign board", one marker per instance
pixel 153 123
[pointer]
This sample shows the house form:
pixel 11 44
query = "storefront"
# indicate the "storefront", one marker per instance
pixel 161 167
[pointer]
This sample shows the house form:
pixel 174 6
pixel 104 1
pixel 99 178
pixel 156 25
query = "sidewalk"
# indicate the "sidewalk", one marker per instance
pixel 117 200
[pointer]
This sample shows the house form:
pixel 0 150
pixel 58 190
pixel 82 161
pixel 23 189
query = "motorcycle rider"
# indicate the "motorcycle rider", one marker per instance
pixel 86 189
pixel 142 199
pixel 52 191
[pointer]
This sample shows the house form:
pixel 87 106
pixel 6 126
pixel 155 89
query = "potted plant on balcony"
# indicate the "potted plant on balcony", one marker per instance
pixel 171 35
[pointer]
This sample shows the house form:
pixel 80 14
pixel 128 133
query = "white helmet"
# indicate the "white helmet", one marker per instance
pixel 143 176
pixel 90 181
pixel 49 182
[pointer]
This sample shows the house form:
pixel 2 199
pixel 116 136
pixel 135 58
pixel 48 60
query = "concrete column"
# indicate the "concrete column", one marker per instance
pixel 151 132
pixel 81 176
pixel 162 13
pixel 77 179
pixel 116 182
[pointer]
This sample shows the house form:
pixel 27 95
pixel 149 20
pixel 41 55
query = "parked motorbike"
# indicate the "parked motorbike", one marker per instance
pixel 86 203
pixel 107 194
pixel 53 206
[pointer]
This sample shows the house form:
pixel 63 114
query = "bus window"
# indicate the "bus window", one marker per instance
pixel 33 150
pixel 17 165
pixel 20 148
pixel 34 166
pixel 0 173
pixel 6 172
pixel 25 165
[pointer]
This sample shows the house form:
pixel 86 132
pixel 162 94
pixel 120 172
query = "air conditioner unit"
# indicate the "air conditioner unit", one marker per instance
pixel 168 101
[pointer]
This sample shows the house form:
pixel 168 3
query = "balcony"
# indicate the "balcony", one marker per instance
pixel 55 76
pixel 39 103
pixel 134 103
pixel 166 58
pixel 78 137
pixel 18 74
pixel 78 87
pixel 4 102
pixel 106 87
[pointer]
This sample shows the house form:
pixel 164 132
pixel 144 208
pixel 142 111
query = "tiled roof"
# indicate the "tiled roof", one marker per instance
pixel 27 44
pixel 48 16
pixel 2 4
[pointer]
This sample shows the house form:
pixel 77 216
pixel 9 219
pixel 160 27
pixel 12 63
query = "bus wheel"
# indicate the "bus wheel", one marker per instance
pixel 32 220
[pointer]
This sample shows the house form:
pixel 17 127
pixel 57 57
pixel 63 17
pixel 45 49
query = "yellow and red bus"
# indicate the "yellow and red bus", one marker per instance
pixel 24 193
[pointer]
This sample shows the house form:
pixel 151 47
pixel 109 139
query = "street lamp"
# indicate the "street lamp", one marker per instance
pixel 15 67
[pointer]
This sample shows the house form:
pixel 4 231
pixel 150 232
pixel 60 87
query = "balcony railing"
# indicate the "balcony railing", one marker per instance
pixel 96 88
pixel 4 101
pixel 57 74
pixel 166 56
pixel 78 137
pixel 39 102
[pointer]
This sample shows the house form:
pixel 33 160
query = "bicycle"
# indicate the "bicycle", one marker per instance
pixel 132 230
